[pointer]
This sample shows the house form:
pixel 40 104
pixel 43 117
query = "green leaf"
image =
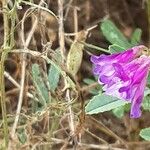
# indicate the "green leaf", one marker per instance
pixel 91 46
pixel 74 58
pixel 146 103
pixel 75 54
pixel 146 91
pixel 119 112
pixel 53 77
pixel 136 37
pixel 88 81
pixel 145 134
pixel 42 91
pixel 54 73
pixel 113 34
pixel 22 135
pixel 69 81
pixel 102 103
pixel 115 49
pixel 148 80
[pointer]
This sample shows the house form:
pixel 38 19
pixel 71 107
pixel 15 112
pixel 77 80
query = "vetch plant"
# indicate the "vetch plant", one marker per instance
pixel 123 75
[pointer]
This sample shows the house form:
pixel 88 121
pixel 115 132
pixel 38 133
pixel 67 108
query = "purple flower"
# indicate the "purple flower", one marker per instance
pixel 124 75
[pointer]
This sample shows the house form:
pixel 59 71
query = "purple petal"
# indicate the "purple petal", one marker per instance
pixel 135 108
pixel 124 75
pixel 123 57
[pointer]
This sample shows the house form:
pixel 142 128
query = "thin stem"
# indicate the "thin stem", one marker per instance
pixel 6 24
pixel 15 83
pixel 2 68
pixel 3 102
pixel 26 44
pixel 61 29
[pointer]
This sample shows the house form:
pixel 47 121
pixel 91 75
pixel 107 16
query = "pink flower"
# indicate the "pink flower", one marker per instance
pixel 124 75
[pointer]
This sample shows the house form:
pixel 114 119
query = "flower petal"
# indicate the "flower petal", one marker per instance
pixel 124 76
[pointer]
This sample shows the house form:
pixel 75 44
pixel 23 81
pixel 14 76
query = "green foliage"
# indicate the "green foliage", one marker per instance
pixel 145 134
pixel 22 135
pixel 102 103
pixel 91 46
pixel 88 81
pixel 115 49
pixel 54 73
pixel 148 80
pixel 119 112
pixel 74 58
pixel 117 39
pixel 136 36
pixel 146 103
pixel 42 90
pixel 75 54
pixel 113 34
pixel 53 77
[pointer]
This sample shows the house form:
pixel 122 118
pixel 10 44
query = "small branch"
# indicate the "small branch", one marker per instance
pixel 75 20
pixel 12 80
pixel 68 8
pixel 103 128
pixel 71 116
pixel 5 50
pixel 76 33
pixel 61 29
pixel 96 137
pixel 62 49
pixel 87 145
pixel 6 26
pixel 40 7
pixel 22 74
pixel 7 75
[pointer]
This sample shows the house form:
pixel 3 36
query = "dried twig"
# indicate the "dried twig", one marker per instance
pixel 103 128
pixel 14 82
pixel 68 8
pixel 88 146
pixel 62 48
pixel 61 29
pixel 96 137
pixel 5 49
pixel 26 43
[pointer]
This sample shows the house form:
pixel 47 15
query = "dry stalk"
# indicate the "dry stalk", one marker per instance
pixel 106 130
pixel 15 83
pixel 61 29
pixel 87 145
pixel 96 137
pixel 68 8
pixel 62 48
pixel 71 115
pixel 22 82
pixel 4 51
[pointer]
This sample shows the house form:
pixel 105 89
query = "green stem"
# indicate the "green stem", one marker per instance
pixel 6 24
pixel 3 102
pixel 13 21
pixel 2 82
